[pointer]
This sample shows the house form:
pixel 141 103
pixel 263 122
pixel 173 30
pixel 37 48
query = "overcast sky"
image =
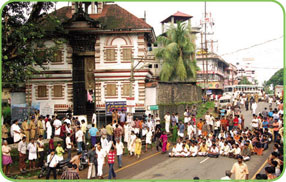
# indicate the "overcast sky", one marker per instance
pixel 238 25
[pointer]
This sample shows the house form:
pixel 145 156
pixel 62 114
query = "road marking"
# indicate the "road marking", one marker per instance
pixel 132 164
pixel 204 160
pixel 254 176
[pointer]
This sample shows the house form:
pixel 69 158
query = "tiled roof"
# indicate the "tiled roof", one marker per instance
pixel 178 16
pixel 113 17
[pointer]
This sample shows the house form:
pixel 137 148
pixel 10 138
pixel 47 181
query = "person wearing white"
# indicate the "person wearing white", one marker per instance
pixel 79 139
pixel 49 129
pixel 237 150
pixel 119 152
pixel 127 132
pixel 225 150
pixel 16 131
pixel 57 124
pixel 173 153
pixel 131 146
pixel 191 130
pixel 255 122
pixel 167 122
pixel 52 161
pixel 100 160
pixel 129 118
pixel 186 116
pixel 193 150
pixel 104 144
pixel 254 106
pixel 184 152
pixel 227 175
pixel 68 121
pixel 32 148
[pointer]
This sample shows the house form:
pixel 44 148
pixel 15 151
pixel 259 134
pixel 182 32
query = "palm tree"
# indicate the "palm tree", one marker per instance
pixel 176 50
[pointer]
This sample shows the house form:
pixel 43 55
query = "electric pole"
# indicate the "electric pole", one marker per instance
pixel 206 47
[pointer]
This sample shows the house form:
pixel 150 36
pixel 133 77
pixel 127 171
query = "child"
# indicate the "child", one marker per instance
pixel 138 146
pixel 60 151
pixel 173 153
pixel 32 148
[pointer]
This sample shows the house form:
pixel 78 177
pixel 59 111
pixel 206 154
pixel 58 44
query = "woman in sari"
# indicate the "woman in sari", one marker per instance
pixel 164 140
pixel 175 133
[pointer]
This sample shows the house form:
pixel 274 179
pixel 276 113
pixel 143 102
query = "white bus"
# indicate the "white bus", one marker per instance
pixel 234 90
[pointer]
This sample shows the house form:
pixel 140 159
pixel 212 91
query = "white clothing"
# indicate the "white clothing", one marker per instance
pixel 186 117
pixel 149 137
pixel 225 178
pixel 119 148
pixel 191 130
pixel 54 160
pixel 32 148
pixel 44 124
pixel 49 129
pixel 208 119
pixel 127 132
pixel 104 144
pixel 255 123
pixel 214 150
pixel 167 123
pixel 68 142
pixel 131 146
pixel 100 161
pixel 16 136
pixel 57 123
pixel 79 136
pixel 91 170
pixel 237 151
pixel 67 121
pixel 193 150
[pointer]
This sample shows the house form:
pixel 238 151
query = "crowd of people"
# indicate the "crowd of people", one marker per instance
pixel 219 134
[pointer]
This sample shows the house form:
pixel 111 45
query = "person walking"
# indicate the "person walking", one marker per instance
pixel 92 163
pixel 240 169
pixel 6 157
pixel 138 146
pixel 40 145
pixel 32 148
pixel 79 138
pixel 100 161
pixel 164 141
pixel 52 161
pixel 69 145
pixel 167 118
pixel 22 149
pixel 119 151
pixel 93 131
pixel 111 159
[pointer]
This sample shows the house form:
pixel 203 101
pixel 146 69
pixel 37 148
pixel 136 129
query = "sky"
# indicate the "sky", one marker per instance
pixel 238 25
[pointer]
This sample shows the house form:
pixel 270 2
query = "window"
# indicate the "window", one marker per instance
pixel 150 65
pixel 126 54
pixel 42 91
pixel 58 90
pixel 125 89
pixel 58 56
pixel 110 54
pixel 111 89
pixel 156 66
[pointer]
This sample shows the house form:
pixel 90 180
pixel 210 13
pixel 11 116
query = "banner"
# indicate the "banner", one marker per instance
pixel 46 109
pixel 112 105
pixel 21 111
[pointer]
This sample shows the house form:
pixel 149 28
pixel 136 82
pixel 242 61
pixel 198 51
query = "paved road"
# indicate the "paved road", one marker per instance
pixel 163 167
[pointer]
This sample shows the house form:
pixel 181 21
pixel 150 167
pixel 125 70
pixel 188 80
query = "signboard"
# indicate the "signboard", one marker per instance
pixel 154 107
pixel 112 105
pixel 46 109
pixel 21 111
pixel 209 92
pixel 130 104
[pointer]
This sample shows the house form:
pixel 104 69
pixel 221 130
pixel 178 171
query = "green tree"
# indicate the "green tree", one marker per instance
pixel 276 79
pixel 244 81
pixel 25 27
pixel 176 50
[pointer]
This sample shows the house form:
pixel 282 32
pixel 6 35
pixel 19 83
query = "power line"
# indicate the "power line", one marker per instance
pixel 255 45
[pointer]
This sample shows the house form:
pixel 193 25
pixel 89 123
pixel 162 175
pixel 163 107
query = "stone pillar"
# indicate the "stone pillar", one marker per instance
pixel 162 27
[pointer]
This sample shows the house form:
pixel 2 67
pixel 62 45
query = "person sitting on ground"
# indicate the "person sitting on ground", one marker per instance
pixel 193 150
pixel 70 173
pixel 245 153
pixel 174 151
pixel 225 150
pixel 203 151
pixel 260 176
pixel 237 151
pixel 213 151
pixel 277 168
pixel 184 152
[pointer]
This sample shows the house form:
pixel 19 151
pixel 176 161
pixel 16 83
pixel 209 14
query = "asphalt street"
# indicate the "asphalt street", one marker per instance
pixel 160 166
